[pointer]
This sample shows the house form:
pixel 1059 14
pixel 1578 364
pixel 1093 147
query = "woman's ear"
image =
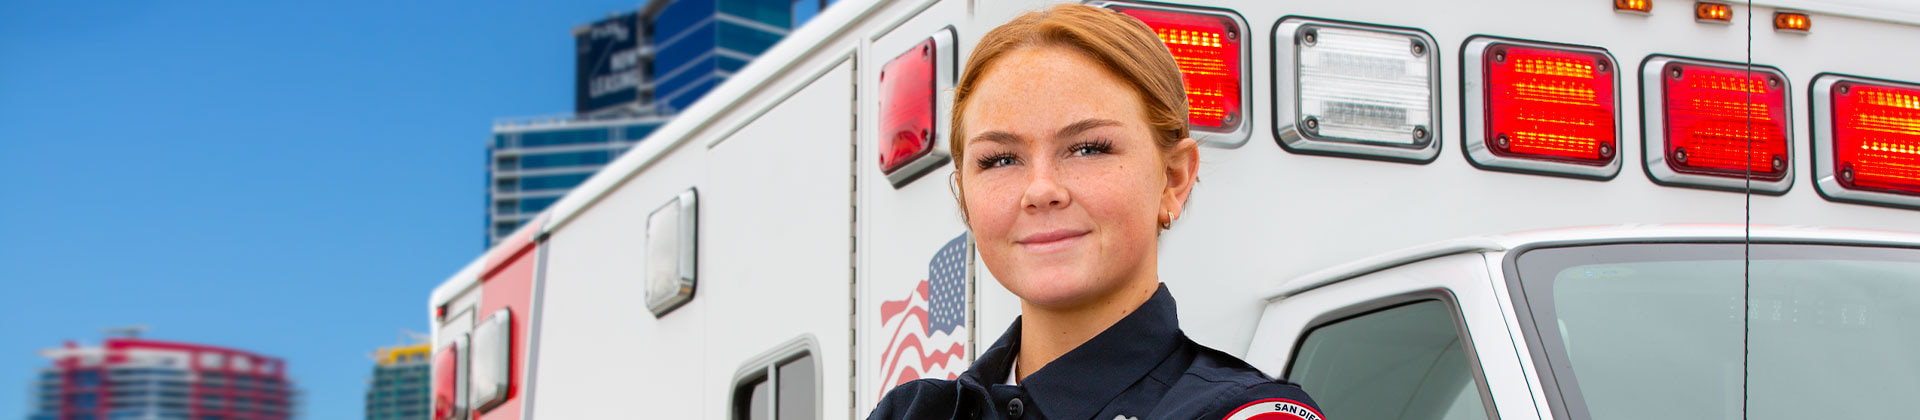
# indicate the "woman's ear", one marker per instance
pixel 1183 170
pixel 959 198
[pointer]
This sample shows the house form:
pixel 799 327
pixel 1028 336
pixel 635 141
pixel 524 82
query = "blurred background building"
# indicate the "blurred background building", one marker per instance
pixel 633 73
pixel 132 378
pixel 398 390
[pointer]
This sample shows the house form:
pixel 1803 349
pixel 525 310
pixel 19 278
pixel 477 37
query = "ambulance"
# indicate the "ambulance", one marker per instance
pixel 1448 209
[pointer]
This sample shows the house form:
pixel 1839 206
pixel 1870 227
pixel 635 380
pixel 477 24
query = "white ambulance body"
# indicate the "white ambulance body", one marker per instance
pixel 756 258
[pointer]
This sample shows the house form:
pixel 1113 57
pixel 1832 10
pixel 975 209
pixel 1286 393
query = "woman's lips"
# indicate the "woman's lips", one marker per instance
pixel 1050 240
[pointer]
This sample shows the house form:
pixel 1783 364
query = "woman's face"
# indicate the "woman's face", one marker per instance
pixel 1062 183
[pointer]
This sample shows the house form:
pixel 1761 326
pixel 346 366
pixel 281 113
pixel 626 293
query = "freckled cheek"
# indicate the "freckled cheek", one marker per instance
pixel 992 203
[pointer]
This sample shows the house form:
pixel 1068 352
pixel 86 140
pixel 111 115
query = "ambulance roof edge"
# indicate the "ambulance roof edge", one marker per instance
pixel 522 240
pixel 452 287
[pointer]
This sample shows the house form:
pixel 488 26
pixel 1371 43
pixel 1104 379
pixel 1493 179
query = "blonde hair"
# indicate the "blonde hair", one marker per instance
pixel 1124 45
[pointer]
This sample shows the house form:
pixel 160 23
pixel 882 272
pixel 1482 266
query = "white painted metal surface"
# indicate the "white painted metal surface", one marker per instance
pixel 801 235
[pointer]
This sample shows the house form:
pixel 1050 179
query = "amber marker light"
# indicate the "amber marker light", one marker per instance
pixel 1712 12
pixel 1633 6
pixel 1791 22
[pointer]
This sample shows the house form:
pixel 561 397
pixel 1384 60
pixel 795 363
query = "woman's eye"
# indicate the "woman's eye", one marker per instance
pixel 1091 148
pixel 996 161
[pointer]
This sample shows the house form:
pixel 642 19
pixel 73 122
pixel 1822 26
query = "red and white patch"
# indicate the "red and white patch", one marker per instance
pixel 1275 409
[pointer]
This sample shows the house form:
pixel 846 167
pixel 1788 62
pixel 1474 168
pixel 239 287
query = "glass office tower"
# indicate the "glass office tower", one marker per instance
pixel 700 43
pixel 399 389
pixel 534 163
pixel 688 48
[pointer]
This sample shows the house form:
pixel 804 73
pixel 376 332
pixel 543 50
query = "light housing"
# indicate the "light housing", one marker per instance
pixel 450 379
pixel 1633 6
pixel 671 254
pixel 1537 107
pixel 491 371
pixel 1791 22
pixel 1712 12
pixel 1209 46
pixel 913 116
pixel 1712 124
pixel 1356 89
pixel 1866 140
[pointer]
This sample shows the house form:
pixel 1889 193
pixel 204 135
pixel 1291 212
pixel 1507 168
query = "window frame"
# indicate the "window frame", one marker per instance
pixel 766 367
pixel 1364 308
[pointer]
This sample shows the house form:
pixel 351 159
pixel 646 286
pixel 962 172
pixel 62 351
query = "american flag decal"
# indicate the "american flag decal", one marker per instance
pixel 928 329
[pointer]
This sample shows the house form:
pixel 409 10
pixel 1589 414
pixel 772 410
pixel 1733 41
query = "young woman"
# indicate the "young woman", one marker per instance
pixel 1071 154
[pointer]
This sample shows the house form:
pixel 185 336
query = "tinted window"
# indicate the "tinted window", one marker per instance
pixel 556 138
pixel 740 38
pixel 596 157
pixel 797 391
pixel 1831 324
pixel 677 52
pixel 551 182
pixel 786 391
pixel 637 132
pixel 687 97
pixel 775 13
pixel 535 205
pixel 751 400
pixel 1404 362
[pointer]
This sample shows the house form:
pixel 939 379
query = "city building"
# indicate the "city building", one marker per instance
pixel 634 71
pixel 398 390
pixel 533 163
pixel 130 378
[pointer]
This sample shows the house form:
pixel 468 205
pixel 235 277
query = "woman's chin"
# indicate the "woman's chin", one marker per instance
pixel 1057 289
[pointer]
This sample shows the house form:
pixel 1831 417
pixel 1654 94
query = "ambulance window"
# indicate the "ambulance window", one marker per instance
pixel 1402 362
pixel 785 390
pixel 752 404
pixel 797 393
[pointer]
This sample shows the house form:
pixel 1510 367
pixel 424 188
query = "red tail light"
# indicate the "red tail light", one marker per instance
pixel 1713 124
pixel 1550 104
pixel 911 122
pixel 448 402
pixel 1210 50
pixel 906 107
pixel 1876 137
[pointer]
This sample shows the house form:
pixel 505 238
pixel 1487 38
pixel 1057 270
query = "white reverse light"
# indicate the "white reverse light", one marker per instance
pixel 1360 90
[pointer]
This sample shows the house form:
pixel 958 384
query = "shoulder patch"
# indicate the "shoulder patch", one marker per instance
pixel 1274 409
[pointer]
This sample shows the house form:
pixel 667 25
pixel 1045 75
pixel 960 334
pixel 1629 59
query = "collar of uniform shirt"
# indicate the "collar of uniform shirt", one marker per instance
pixel 1086 379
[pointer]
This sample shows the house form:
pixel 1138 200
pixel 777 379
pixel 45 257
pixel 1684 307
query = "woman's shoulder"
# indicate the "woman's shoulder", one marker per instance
pixel 918 399
pixel 1237 388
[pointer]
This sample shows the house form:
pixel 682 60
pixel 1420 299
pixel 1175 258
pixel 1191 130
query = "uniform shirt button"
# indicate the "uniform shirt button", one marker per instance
pixel 1015 408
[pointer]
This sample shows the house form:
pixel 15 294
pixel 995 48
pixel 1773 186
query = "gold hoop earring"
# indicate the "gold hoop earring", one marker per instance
pixel 1168 223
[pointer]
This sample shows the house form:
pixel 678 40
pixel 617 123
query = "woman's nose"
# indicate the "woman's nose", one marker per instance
pixel 1044 191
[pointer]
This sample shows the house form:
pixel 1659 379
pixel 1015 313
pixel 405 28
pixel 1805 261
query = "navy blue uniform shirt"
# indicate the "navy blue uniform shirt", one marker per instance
pixel 1141 368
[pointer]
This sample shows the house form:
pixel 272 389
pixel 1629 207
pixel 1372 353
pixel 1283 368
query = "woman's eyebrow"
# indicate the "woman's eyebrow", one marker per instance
pixel 1083 126
pixel 996 136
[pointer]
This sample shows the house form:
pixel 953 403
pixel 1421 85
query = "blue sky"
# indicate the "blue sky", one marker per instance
pixel 289 178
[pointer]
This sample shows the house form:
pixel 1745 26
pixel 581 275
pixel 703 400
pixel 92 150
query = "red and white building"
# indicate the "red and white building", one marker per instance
pixel 129 378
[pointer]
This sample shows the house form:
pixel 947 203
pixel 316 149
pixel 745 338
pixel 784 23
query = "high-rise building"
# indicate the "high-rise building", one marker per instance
pixel 699 43
pixel 129 378
pixel 634 71
pixel 534 163
pixel 399 389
